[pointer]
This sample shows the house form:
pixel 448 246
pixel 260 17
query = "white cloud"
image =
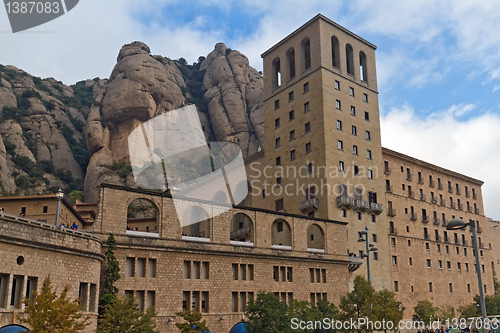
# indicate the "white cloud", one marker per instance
pixel 468 147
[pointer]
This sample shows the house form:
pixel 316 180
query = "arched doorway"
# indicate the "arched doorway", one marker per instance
pixel 196 223
pixel 13 329
pixel 142 217
pixel 241 228
pixel 239 328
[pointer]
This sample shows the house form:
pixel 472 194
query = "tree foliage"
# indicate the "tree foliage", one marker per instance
pixel 111 275
pixel 194 323
pixel 123 315
pixel 425 312
pixel 49 313
pixel 387 308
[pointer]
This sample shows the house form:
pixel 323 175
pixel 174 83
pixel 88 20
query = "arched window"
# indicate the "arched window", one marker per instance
pixel 220 198
pixel 276 73
pixel 306 53
pixel 290 58
pixel 281 233
pixel 241 228
pixel 240 192
pixel 13 329
pixel 362 66
pixel 315 237
pixel 349 59
pixel 195 223
pixel 142 217
pixel 335 52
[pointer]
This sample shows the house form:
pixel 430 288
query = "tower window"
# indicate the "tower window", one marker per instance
pixel 306 53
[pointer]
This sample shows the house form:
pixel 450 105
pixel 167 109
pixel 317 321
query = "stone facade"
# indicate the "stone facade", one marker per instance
pixel 33 250
pixel 214 274
pixel 43 208
pixel 428 261
pixel 323 152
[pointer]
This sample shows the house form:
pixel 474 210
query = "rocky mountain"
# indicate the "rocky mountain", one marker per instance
pixel 42 124
pixel 82 130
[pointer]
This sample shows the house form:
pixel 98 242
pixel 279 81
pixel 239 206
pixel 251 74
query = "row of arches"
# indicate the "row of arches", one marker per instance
pixel 305 61
pixel 143 217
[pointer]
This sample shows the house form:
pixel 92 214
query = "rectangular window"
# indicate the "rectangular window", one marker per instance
pixel 278 180
pixel 307 107
pixel 277 142
pixel 341 165
pixel 448 265
pixel 430 287
pixel 340 144
pixel 308 148
pixel 292 154
pixel 354 130
pixel 279 205
pixel 23 211
pixel 291 115
pixel 339 124
pixel 306 87
pixel 394 260
pixel 370 174
pixel 351 91
pixel 369 154
pixel 309 168
pixel 353 111
pixel 292 135
pixel 367 116
pixel 365 98
pixel 368 135
pixel 278 161
pixel 277 104
pixel 290 96
pixel 337 85
pixel 338 105
pixel 355 150
pixel 307 127
pixel 276 122
pixel 450 286
pixel 45 209
pixel 396 286
pixel 428 263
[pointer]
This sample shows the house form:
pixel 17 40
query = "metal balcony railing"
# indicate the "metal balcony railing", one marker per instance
pixel 361 205
pixel 435 221
pixel 413 216
pixel 240 232
pixel 387 170
pixel 391 212
pixel 425 218
pixel 376 208
pixel 346 202
pixel 308 204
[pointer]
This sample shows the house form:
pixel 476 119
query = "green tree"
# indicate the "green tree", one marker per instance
pixel 387 308
pixel 194 323
pixel 446 313
pixel 469 311
pixel 358 303
pixel 267 313
pixel 75 195
pixel 49 313
pixel 111 275
pixel 424 312
pixel 124 315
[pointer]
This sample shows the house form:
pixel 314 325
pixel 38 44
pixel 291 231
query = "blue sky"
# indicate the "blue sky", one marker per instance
pixel 438 62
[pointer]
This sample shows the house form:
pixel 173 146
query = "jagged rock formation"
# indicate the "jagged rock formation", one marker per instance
pixel 56 135
pixel 41 129
pixel 225 89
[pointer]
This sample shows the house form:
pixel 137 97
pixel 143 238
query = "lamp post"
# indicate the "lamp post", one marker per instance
pixel 457 224
pixel 364 236
pixel 59 197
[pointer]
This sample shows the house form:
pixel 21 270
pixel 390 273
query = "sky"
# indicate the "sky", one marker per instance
pixel 438 62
